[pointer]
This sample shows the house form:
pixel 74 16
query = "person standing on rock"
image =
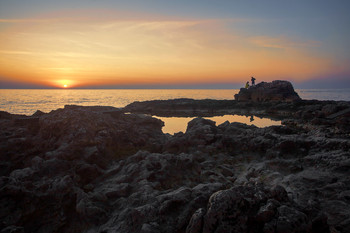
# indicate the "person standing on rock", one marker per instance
pixel 247 85
pixel 253 81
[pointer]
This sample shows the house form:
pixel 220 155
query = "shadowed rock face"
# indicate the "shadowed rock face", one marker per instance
pixel 274 91
pixel 96 169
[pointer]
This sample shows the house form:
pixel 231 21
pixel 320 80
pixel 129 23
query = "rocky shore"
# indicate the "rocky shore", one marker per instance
pixel 103 169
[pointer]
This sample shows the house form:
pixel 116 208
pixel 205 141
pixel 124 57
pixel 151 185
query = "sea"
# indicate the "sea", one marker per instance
pixel 28 101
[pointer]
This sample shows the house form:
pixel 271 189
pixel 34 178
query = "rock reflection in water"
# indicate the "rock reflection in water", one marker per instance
pixel 179 124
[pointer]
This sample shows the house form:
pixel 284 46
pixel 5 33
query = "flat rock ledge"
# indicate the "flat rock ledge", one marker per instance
pixel 99 169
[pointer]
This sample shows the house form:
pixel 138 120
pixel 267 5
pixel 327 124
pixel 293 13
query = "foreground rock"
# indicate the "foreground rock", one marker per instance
pixel 274 91
pixel 97 169
pixel 47 167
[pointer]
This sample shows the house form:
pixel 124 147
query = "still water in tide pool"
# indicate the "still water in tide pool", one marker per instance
pixel 179 124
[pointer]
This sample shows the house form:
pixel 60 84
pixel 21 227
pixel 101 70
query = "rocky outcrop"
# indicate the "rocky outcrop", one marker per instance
pixel 48 168
pixel 274 91
pixel 252 208
pixel 98 169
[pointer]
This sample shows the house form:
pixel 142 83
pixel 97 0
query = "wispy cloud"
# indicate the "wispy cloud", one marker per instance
pixel 21 21
pixel 124 48
pixel 283 42
pixel 16 52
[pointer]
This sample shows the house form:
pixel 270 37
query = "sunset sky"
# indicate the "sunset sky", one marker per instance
pixel 154 43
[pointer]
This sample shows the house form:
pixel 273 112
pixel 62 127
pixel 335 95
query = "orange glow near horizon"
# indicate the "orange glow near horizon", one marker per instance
pixel 63 52
pixel 63 84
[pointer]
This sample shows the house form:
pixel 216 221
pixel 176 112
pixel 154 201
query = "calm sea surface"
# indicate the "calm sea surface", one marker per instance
pixel 20 101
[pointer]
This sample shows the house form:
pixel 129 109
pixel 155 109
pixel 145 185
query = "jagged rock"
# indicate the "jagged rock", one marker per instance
pixel 275 91
pixel 267 211
pixel 97 169
pixel 119 190
pixel 202 131
pixel 13 229
pixel 196 222
pixel 249 208
pixel 38 113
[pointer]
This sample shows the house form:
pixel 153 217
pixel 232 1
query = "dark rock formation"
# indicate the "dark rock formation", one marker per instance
pixel 251 208
pixel 274 91
pixel 97 169
pixel 46 171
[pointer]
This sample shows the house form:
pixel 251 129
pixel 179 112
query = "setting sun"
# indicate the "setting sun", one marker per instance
pixel 63 83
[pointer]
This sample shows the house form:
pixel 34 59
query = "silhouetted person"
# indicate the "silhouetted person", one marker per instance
pixel 253 81
pixel 247 85
pixel 251 118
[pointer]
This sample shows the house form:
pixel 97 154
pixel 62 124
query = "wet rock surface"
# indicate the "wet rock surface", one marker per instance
pixel 99 169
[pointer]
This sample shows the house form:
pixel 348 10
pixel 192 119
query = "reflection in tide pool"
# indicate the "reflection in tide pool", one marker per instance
pixel 179 124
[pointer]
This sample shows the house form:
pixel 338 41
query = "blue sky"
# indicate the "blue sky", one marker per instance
pixel 315 19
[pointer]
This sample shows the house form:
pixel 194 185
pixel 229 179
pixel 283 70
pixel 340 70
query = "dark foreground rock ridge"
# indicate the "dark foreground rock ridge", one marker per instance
pixel 99 169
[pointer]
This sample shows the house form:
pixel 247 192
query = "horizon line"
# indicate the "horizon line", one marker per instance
pixel 151 88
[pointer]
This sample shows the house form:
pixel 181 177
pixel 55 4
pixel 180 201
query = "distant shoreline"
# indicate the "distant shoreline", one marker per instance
pixel 155 88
